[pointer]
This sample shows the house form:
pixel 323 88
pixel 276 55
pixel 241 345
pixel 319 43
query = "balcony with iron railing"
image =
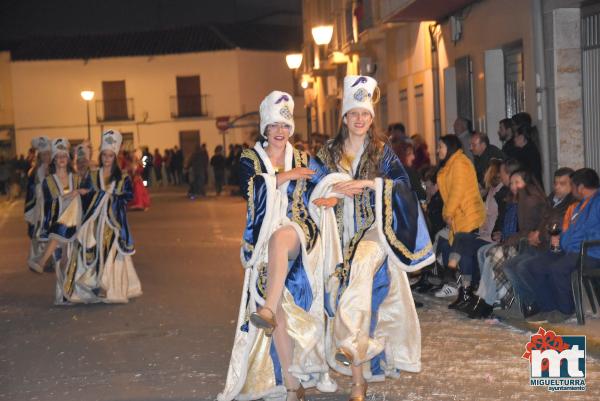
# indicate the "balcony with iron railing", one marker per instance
pixel 188 106
pixel 114 110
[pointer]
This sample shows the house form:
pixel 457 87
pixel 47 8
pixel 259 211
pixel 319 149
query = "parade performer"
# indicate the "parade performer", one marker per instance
pixel 373 328
pixel 278 349
pixel 33 198
pixel 62 217
pixel 141 196
pixel 82 159
pixel 105 237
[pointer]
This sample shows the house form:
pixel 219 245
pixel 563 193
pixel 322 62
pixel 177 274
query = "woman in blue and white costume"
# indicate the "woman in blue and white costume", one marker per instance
pixel 373 328
pixel 62 216
pixel 106 241
pixel 278 349
pixel 34 200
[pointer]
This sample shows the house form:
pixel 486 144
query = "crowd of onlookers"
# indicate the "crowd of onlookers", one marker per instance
pixel 13 175
pixel 194 170
pixel 500 240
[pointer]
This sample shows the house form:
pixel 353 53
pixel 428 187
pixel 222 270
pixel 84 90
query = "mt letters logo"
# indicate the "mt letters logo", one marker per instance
pixel 557 362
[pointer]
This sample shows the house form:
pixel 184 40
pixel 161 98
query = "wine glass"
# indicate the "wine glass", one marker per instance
pixel 554 229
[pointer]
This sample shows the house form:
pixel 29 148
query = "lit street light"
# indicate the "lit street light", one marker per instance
pixel 88 96
pixel 293 60
pixel 322 34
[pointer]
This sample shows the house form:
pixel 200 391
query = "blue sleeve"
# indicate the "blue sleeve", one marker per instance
pixel 247 172
pixel 256 194
pixel 30 194
pixel 404 225
pixel 118 216
pixel 320 169
pixel 391 167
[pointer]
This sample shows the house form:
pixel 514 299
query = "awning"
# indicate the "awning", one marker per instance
pixel 422 10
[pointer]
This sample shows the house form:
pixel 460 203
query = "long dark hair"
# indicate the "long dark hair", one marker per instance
pixel 115 171
pixel 453 144
pixel 374 148
pixel 532 187
pixel 52 167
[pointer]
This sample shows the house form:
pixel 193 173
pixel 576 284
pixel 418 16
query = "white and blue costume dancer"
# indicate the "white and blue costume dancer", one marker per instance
pixel 255 369
pixel 382 235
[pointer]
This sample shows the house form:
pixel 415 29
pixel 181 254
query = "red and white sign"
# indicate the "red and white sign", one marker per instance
pixel 223 123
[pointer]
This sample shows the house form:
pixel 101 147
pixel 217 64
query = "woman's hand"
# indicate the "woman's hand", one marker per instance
pixel 83 191
pixel 353 187
pixel 326 202
pixel 297 173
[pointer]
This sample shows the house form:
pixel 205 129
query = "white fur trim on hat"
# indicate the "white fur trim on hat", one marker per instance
pixel 41 144
pixel 277 107
pixel 358 93
pixel 60 145
pixel 111 140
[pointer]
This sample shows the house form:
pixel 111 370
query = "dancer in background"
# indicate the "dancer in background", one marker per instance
pixel 34 210
pixel 105 236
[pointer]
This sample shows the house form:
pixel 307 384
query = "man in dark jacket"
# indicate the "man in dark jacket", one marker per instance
pixel 197 167
pixel 527 152
pixel 483 152
pixel 506 135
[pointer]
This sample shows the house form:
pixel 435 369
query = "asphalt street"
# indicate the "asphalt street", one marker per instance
pixel 174 342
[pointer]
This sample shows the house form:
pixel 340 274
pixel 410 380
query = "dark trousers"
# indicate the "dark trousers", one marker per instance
pixel 467 245
pixel 545 280
pixel 219 181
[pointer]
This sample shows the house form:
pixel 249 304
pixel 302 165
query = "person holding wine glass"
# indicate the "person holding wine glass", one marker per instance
pixel 546 279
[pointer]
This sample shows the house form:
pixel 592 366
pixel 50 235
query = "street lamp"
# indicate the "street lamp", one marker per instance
pixel 293 60
pixel 322 34
pixel 88 96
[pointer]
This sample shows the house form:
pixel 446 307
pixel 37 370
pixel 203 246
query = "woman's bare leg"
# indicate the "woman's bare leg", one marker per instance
pixel 284 245
pixel 357 378
pixel 50 248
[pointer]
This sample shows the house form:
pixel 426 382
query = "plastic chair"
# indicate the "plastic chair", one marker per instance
pixel 586 277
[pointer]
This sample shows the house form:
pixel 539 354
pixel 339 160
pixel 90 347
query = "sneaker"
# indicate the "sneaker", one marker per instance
pixel 447 291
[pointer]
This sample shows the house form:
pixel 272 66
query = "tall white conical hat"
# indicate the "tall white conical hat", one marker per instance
pixel 60 145
pixel 277 107
pixel 111 140
pixel 41 144
pixel 359 91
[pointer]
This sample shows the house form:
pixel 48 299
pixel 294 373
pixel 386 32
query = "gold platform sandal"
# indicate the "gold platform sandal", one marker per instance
pixel 344 356
pixel 362 397
pixel 300 393
pixel 263 322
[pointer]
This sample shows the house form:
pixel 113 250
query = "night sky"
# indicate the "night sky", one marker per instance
pixel 21 19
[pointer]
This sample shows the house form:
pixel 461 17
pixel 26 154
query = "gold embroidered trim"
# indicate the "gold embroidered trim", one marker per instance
pixel 389 231
pixel 251 198
pixel 251 154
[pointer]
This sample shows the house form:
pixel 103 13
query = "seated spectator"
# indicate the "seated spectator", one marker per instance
pixel 545 283
pixel 466 245
pixel 538 241
pixel 529 204
pixel 463 211
pixel 421 153
pixel 406 154
pixel 483 152
pixel 433 207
